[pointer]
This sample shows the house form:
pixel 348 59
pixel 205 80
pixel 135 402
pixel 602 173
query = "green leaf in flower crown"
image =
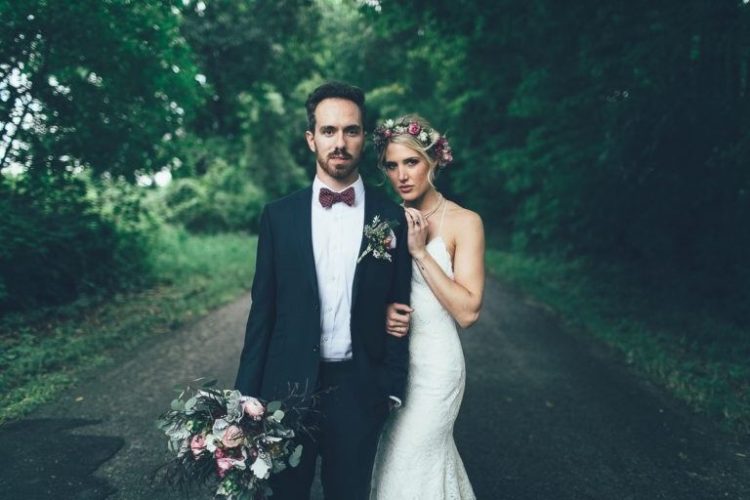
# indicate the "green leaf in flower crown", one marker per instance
pixel 296 455
pixel 177 405
pixel 278 415
pixel 273 406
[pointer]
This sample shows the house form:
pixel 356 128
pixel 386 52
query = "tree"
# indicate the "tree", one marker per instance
pixel 92 84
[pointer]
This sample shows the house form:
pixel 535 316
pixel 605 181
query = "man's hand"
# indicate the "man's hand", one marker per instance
pixel 397 318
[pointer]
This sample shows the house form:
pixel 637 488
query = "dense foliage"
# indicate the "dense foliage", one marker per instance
pixel 56 242
pixel 87 88
pixel 617 131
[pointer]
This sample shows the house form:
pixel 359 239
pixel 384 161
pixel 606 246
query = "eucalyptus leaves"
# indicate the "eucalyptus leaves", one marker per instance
pixel 224 435
pixel 380 239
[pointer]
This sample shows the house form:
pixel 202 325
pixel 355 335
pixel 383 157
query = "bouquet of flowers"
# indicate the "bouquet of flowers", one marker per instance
pixel 226 436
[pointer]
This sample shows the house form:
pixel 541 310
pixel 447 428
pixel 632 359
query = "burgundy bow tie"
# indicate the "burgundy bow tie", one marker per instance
pixel 327 197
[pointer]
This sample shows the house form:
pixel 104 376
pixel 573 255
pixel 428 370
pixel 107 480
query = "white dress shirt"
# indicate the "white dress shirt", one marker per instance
pixel 336 238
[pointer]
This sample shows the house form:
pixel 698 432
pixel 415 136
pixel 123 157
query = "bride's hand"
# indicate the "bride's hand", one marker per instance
pixel 397 318
pixel 417 234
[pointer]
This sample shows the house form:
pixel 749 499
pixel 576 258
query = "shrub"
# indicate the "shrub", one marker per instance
pixel 58 241
pixel 223 199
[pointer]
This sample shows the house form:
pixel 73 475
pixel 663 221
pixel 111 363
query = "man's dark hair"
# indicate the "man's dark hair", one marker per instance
pixel 336 90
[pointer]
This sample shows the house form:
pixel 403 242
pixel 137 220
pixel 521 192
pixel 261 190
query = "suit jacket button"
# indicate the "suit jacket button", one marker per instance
pixel 316 348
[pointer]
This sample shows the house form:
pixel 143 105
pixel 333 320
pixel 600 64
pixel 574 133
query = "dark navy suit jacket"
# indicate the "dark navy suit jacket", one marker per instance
pixel 282 338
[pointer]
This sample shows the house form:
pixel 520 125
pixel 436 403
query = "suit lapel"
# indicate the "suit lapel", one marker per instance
pixel 304 230
pixel 371 209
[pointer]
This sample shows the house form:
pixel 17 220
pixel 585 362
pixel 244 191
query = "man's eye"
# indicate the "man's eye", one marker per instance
pixel 352 132
pixel 327 131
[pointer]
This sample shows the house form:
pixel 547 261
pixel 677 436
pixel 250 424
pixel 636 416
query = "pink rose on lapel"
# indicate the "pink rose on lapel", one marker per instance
pixel 390 241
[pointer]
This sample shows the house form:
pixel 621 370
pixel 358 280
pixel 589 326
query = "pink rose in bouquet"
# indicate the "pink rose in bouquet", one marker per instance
pixel 198 444
pixel 223 462
pixel 232 436
pixel 253 408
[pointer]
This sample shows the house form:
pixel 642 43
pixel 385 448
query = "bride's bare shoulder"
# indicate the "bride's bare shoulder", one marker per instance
pixel 462 218
pixel 462 225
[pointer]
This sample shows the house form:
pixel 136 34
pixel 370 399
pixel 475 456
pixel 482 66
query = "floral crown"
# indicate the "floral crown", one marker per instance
pixel 435 144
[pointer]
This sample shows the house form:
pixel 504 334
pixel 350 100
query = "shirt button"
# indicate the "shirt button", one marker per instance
pixel 316 348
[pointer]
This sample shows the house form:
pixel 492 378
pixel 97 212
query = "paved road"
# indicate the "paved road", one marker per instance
pixel 545 416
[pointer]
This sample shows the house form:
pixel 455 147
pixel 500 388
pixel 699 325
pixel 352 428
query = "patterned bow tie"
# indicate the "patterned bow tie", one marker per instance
pixel 327 197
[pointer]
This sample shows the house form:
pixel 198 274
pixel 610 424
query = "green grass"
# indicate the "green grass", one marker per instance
pixel 45 351
pixel 701 359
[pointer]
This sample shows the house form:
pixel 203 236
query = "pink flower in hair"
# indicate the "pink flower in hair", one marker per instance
pixel 414 128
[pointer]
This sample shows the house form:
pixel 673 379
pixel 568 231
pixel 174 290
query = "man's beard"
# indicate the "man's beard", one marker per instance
pixel 340 171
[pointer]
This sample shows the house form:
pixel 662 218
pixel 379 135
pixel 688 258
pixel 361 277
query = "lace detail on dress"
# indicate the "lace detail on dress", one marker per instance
pixel 417 456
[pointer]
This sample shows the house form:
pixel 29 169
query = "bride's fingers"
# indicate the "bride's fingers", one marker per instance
pixel 397 334
pixel 411 218
pixel 414 218
pixel 421 221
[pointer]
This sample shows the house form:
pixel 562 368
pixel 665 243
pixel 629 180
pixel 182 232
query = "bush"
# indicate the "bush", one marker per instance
pixel 58 241
pixel 223 199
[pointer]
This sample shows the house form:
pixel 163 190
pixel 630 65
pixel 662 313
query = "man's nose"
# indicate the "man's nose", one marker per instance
pixel 340 143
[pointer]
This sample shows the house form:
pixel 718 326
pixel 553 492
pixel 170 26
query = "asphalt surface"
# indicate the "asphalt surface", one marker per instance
pixel 546 415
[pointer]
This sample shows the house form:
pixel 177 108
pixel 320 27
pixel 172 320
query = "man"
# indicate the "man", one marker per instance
pixel 317 319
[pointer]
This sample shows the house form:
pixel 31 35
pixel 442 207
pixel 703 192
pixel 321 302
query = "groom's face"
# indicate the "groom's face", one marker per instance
pixel 337 140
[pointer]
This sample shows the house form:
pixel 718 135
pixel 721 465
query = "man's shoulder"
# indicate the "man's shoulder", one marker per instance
pixel 289 201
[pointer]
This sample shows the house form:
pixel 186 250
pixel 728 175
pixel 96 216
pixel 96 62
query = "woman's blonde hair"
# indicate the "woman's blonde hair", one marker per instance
pixel 425 148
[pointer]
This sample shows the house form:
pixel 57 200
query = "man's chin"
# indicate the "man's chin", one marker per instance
pixel 341 171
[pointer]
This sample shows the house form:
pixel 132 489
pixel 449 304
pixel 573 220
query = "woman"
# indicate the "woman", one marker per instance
pixel 417 457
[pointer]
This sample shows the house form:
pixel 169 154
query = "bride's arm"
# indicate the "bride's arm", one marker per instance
pixel 461 296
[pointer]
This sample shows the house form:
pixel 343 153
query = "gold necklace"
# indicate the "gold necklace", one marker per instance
pixel 439 203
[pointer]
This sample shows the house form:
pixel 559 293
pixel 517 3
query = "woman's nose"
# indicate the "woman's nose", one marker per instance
pixel 402 173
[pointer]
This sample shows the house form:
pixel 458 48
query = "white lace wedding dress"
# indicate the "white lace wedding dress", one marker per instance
pixel 417 457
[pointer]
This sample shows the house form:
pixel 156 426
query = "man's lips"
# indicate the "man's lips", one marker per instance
pixel 339 157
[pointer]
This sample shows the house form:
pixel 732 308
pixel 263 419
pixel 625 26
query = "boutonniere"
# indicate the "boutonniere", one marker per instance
pixel 380 239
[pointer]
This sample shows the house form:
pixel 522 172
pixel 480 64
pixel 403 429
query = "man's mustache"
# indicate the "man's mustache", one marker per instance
pixel 340 153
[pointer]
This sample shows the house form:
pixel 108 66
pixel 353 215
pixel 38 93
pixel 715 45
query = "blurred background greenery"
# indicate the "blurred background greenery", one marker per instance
pixel 605 144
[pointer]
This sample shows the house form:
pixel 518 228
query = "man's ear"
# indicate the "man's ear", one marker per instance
pixel 309 137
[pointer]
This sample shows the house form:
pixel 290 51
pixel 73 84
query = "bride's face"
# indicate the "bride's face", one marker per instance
pixel 407 170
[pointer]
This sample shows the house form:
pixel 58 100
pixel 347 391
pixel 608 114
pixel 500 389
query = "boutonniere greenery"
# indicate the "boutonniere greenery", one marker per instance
pixel 380 239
